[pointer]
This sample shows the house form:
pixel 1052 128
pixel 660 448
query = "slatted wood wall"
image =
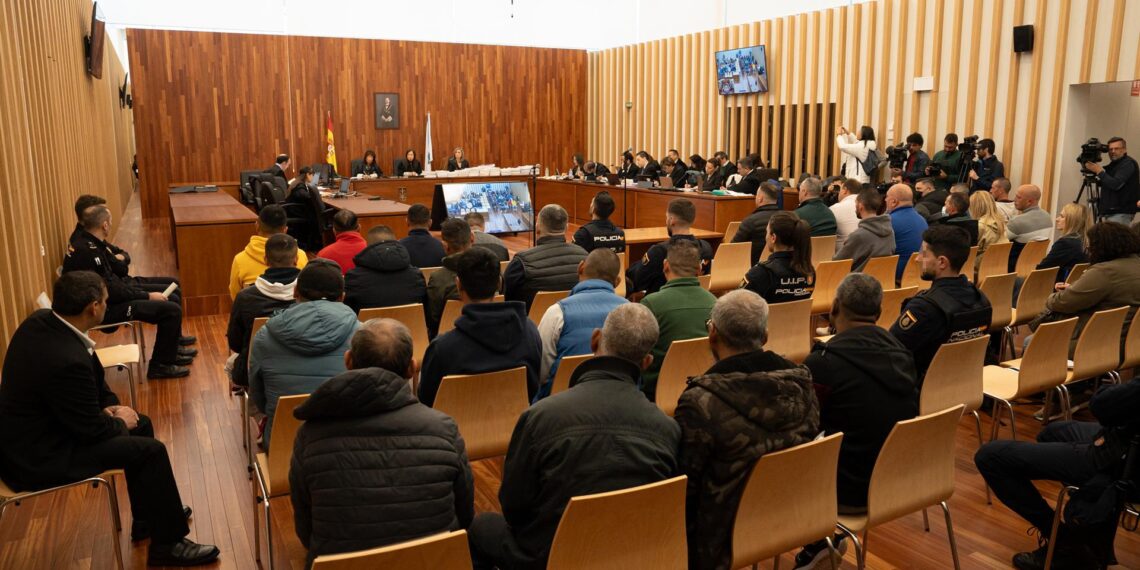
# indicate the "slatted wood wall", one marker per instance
pixel 64 135
pixel 209 105
pixel 861 60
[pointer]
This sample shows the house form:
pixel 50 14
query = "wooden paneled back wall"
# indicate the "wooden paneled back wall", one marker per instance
pixel 858 62
pixel 209 105
pixel 64 135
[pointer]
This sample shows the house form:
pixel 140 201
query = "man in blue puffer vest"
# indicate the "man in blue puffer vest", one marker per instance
pixel 567 326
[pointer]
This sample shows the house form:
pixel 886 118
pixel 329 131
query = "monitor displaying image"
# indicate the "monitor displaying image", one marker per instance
pixel 743 70
pixel 505 206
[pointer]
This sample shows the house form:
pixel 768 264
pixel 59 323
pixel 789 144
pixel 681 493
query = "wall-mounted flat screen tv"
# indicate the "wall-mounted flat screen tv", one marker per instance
pixel 742 70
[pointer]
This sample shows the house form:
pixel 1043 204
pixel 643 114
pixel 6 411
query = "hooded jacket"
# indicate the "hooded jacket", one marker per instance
pixel 743 407
pixel 296 351
pixel 866 382
pixel 249 264
pixel 487 337
pixel 875 237
pixel 346 247
pixel 372 466
pixel 270 294
pixel 383 277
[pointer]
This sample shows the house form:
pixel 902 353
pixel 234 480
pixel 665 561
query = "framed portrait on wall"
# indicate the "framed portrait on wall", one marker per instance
pixel 387 110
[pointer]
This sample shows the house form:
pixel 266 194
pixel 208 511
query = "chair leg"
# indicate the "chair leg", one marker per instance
pixel 113 487
pixel 995 421
pixel 775 563
pixel 1012 420
pixel 950 533
pixel 131 383
pixel 833 553
pixel 859 550
pixel 978 421
pixel 268 533
pixel 925 521
pixel 1056 524
pixel 114 508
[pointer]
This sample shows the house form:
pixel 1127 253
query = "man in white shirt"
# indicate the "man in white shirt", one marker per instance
pixel 1000 191
pixel 846 220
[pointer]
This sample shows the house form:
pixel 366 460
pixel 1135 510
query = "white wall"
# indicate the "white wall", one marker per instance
pixel 1117 114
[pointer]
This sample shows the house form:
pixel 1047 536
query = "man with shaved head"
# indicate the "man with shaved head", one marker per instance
pixel 907 223
pixel 1000 190
pixel 1030 224
pixel 567 326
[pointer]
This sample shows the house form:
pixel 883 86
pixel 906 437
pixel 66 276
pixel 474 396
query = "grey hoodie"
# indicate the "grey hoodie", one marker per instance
pixel 873 238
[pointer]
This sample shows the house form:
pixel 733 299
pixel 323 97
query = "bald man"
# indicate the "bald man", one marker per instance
pixel 1030 224
pixel 907 223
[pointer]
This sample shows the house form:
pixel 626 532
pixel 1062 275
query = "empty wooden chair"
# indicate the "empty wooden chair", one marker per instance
pixel 1076 272
pixel 995 261
pixel 451 311
pixel 912 274
pixel 730 263
pixel 1035 290
pixel 998 288
pixel 789 329
pixel 427 271
pixel 892 305
pixel 968 267
pixel 542 301
pixel 730 231
pixel 828 275
pixel 485 407
pixel 781 509
pixel 566 368
pixel 822 249
pixel 271 470
pixel 915 470
pixel 683 360
pixel 444 551
pixel 1042 369
pixel 1030 256
pixel 1097 352
pixel 126 357
pixel 412 315
pixel 642 528
pixel 955 377
pixel 883 270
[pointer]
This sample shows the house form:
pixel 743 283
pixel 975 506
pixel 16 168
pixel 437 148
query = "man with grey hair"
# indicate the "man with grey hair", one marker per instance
pixel 600 435
pixel 751 402
pixel 866 381
pixel 813 210
pixel 551 265
pixel 368 418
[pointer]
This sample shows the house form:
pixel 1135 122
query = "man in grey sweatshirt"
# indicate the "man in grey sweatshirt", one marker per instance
pixel 874 237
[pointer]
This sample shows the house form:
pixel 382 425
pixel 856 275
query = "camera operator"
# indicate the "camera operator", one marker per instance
pixel 1119 183
pixel 947 163
pixel 915 163
pixel 986 168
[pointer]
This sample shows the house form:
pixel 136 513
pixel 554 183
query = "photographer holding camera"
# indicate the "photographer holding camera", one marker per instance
pixel 1119 182
pixel 915 163
pixel 986 168
pixel 947 163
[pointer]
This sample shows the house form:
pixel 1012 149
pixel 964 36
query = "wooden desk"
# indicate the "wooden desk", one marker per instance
pixel 646 208
pixel 576 197
pixel 639 240
pixel 209 229
pixel 231 187
pixel 372 213
pixel 418 189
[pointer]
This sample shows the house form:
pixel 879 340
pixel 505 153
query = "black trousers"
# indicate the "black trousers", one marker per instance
pixel 493 545
pixel 167 315
pixel 150 480
pixel 158 285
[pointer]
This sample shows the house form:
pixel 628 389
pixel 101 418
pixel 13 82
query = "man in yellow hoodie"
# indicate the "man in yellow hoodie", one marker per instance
pixel 249 263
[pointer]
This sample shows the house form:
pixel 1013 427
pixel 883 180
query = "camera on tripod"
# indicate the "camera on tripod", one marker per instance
pixel 896 156
pixel 1092 151
pixel 969 144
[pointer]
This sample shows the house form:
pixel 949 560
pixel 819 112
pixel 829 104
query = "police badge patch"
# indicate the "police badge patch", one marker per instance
pixel 907 320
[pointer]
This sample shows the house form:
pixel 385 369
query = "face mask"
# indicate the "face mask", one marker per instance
pixel 943 210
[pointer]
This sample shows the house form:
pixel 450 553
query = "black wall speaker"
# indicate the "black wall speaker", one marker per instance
pixel 1022 38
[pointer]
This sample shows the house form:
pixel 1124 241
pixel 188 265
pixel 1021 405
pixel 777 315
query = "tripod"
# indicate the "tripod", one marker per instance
pixel 1093 187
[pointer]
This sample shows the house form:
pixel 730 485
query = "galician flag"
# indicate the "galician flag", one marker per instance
pixel 331 156
pixel 427 147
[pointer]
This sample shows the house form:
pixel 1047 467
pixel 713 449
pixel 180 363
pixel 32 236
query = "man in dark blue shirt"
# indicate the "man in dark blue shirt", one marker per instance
pixel 424 249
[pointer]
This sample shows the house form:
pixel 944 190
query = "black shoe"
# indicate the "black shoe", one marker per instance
pixel 158 371
pixel 183 360
pixel 183 351
pixel 140 529
pixel 182 553
pixel 1066 556
pixel 815 554
pixel 187 340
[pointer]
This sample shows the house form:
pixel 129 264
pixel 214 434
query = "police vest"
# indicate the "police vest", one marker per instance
pixel 964 321
pixel 611 239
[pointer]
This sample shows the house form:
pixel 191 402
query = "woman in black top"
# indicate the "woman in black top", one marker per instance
pixel 576 168
pixel 713 177
pixel 409 164
pixel 787 275
pixel 457 161
pixel 628 168
pixel 367 166
pixel 697 163
pixel 1073 225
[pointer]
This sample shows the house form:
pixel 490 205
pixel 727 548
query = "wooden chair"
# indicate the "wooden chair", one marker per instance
pixel 542 301
pixel 451 311
pixel 828 275
pixel 704 280
pixel 566 368
pixel 730 263
pixel 1035 290
pixel 412 315
pixel 915 470
pixel 127 357
pixel 427 271
pixel 106 478
pixel 955 377
pixel 1097 352
pixel 246 403
pixel 781 509
pixel 912 274
pixel 619 290
pixel 1030 256
pixel 1076 272
pixel 1132 345
pixel 485 407
pixel 443 551
pixel 998 288
pixel 641 528
pixel 995 261
pixel 883 270
pixel 683 360
pixel 789 329
pixel 968 267
pixel 271 470
pixel 1042 369
pixel 730 231
pixel 892 305
pixel 822 249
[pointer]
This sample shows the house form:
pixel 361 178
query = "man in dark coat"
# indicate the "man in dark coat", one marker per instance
pixel 423 248
pixel 551 265
pixel 648 274
pixel 358 425
pixel 754 228
pixel 384 275
pixel 272 292
pixel 61 423
pixel 750 395
pixel 600 435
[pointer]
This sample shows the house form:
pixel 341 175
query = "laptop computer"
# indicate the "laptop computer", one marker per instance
pixel 343 191
pixel 612 179
pixel 666 183
pixel 317 179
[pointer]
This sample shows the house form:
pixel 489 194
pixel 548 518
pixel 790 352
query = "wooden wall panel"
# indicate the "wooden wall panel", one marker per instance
pixel 212 104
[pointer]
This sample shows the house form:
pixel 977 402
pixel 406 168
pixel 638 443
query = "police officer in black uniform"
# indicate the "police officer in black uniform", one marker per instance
pixel 787 275
pixel 132 298
pixel 600 231
pixel 648 275
pixel 952 309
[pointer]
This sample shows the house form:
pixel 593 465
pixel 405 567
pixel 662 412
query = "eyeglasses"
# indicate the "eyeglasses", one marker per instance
pixel 708 325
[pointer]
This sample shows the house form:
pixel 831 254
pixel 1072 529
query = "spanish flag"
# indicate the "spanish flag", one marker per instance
pixel 331 156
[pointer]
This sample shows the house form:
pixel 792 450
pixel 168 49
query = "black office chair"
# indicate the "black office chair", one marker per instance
pixel 309 218
pixel 357 165
pixel 246 188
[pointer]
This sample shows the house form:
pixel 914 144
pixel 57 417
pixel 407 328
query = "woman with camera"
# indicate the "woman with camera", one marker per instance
pixel 854 150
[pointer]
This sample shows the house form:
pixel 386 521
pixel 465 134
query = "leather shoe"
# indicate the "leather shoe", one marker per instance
pixel 185 552
pixel 187 340
pixel 191 352
pixel 183 360
pixel 140 529
pixel 158 371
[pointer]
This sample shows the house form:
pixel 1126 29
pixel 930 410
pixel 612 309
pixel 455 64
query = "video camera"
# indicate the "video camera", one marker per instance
pixel 969 144
pixel 896 155
pixel 1091 151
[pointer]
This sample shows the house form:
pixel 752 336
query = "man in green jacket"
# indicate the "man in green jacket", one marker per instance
pixel 812 209
pixel 949 161
pixel 681 306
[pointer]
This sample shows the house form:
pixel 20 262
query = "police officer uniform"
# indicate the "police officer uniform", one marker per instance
pixel 776 281
pixel 600 233
pixel 952 310
pixel 649 274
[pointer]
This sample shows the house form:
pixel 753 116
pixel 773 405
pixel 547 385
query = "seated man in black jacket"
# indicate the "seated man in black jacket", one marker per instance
pixel 423 248
pixel 595 170
pixel 676 174
pixel 61 423
pixel 958 215
pixel 750 180
pixel 754 228
pixel 600 231
pixel 650 168
pixel 368 418
pixel 457 238
pixel 271 293
pixel 551 265
pixel 1089 455
pixel 600 435
pixel 384 275
pixel 649 274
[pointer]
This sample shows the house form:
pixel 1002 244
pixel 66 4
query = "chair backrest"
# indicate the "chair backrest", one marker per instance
pixel 789 329
pixel 641 528
pixel 822 249
pixel 915 468
pixel 1132 344
pixel 781 509
pixel 995 261
pixel 730 231
pixel 427 271
pixel 451 311
pixel 444 551
pixel 257 324
pixel 1034 292
pixel 998 288
pixel 912 274
pixel 542 301
pixel 1045 361
pixel 892 305
pixel 828 275
pixel 1076 272
pixel 1098 347
pixel 620 289
pixel 730 263
pixel 683 360
pixel 704 280
pixel 285 428
pixel 968 267
pixel 485 407
pixel 954 377
pixel 1030 256
pixel 883 270
pixel 566 368
pixel 412 315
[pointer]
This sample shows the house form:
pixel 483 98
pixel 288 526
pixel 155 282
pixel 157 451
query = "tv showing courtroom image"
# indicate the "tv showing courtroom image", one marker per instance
pixel 505 205
pixel 743 70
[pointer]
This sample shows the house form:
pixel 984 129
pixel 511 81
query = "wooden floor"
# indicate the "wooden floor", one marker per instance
pixel 200 423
